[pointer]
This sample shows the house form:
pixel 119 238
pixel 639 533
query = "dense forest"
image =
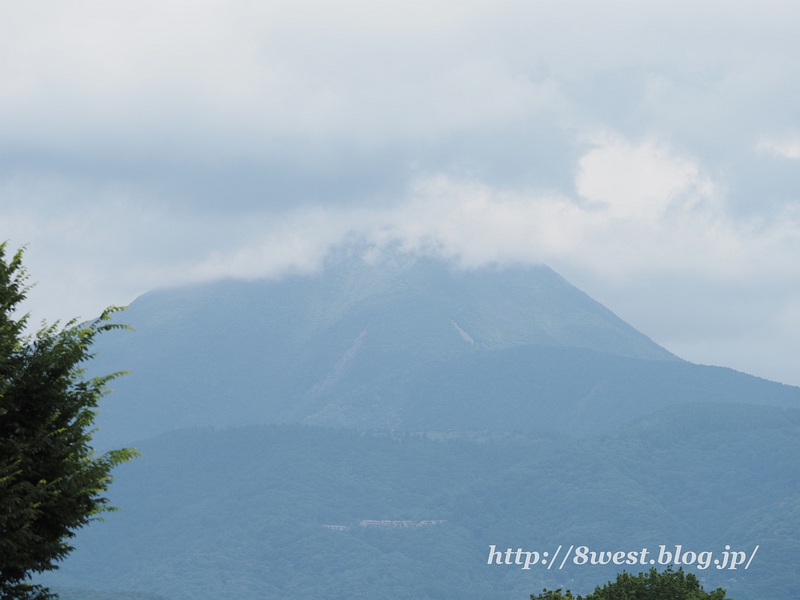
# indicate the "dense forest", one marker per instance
pixel 278 511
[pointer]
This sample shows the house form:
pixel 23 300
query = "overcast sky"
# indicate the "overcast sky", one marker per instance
pixel 647 151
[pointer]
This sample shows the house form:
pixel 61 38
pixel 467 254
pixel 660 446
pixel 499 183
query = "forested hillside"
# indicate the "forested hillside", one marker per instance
pixel 284 511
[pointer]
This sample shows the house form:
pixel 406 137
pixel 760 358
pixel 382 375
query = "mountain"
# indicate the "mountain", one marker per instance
pixel 372 430
pixel 402 344
pixel 294 512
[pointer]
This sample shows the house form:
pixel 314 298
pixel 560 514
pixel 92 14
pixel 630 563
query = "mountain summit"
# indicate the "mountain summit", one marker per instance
pixel 402 344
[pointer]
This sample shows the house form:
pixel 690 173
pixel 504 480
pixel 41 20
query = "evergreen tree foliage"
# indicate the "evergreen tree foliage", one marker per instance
pixel 669 585
pixel 51 480
pixel 554 595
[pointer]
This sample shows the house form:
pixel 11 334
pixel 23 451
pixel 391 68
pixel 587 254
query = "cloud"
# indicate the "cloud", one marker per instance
pixel 214 80
pixel 224 81
pixel 787 148
pixel 638 208
pixel 638 182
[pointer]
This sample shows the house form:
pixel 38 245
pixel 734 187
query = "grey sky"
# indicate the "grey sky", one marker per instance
pixel 650 152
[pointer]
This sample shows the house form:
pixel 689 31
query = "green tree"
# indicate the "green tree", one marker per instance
pixel 51 480
pixel 669 585
pixel 553 595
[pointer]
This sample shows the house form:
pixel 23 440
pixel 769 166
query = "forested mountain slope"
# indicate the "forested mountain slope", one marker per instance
pixel 290 511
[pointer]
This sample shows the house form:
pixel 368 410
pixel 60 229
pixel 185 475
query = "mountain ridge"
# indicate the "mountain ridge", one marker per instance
pixel 377 346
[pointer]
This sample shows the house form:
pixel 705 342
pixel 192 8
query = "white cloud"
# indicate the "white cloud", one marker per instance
pixel 220 78
pixel 178 80
pixel 786 148
pixel 638 182
pixel 640 209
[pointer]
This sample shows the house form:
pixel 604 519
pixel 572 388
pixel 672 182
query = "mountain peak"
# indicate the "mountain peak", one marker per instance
pixel 339 346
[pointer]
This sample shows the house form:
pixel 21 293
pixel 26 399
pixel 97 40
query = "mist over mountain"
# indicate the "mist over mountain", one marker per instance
pixel 402 344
